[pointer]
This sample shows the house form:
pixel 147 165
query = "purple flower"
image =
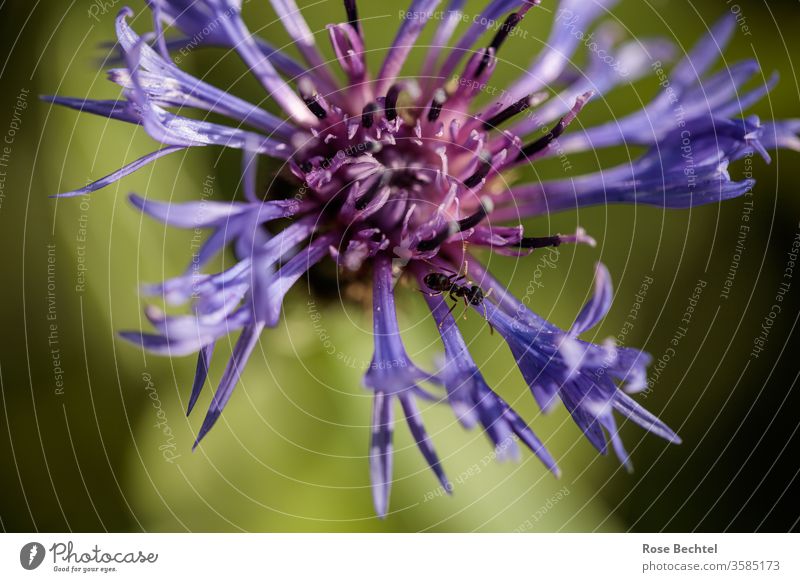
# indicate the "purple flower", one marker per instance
pixel 400 177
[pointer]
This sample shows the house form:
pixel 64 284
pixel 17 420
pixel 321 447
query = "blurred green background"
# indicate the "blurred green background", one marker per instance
pixel 289 451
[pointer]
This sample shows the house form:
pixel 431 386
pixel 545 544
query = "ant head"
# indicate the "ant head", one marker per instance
pixel 476 295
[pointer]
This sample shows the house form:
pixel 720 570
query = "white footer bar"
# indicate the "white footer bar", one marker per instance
pixel 400 557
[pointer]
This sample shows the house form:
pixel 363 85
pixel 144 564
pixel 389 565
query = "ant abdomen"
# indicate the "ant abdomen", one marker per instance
pixel 438 282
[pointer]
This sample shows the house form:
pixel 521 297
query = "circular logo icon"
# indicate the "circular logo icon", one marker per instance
pixel 31 555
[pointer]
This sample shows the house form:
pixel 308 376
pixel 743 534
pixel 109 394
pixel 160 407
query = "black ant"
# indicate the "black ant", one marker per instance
pixel 441 283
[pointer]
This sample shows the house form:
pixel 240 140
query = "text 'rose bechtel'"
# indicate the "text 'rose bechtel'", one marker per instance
pixel 399 176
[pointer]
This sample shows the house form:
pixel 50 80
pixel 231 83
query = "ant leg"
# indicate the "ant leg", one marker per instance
pixel 443 268
pixel 465 276
pixel 455 277
pixel 486 317
pixel 452 308
pixel 464 256
pixel 491 328
pixel 448 313
pixel 448 270
pixel 465 266
pixel 466 306
pixel 435 267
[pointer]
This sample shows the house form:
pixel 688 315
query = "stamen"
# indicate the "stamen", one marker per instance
pixel 363 201
pixel 438 239
pixel 436 105
pixel 487 56
pixel 505 30
pixel 453 227
pixel 500 37
pixel 390 105
pixel 544 141
pixel 367 115
pixel 540 242
pixel 316 108
pixel 484 167
pixel 352 15
pixel 514 109
pixel 474 219
pixel 309 95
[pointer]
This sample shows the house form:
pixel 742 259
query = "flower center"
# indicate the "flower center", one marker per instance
pixel 385 169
